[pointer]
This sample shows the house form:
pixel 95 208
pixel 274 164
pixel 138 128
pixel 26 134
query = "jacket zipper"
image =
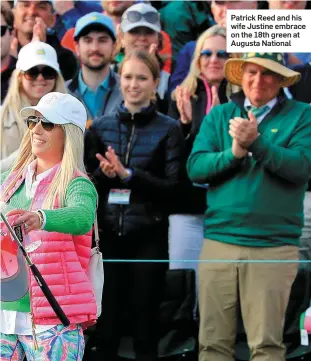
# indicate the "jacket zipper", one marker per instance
pixel 127 156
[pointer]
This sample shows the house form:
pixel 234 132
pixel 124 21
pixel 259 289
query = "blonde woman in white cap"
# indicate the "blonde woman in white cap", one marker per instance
pixel 37 73
pixel 49 194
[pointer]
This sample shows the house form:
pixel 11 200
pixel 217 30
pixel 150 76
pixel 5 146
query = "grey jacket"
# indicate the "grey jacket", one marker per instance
pixel 111 101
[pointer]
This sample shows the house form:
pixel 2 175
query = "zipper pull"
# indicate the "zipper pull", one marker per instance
pixel 132 116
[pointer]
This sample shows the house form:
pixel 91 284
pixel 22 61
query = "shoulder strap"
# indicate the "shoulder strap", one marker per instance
pixel 96 233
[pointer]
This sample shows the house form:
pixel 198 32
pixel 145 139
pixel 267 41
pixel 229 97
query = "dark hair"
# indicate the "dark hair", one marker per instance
pixel 148 59
pixel 94 27
pixel 7 13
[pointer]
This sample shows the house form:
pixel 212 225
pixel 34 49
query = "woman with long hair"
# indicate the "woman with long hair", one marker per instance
pixel 37 73
pixel 134 156
pixel 204 87
pixel 48 194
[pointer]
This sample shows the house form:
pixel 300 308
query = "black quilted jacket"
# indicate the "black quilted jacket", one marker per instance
pixel 151 145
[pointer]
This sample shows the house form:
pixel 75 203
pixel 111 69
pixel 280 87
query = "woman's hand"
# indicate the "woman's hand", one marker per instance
pixel 183 103
pixel 31 220
pixel 106 167
pixel 114 160
pixel 215 97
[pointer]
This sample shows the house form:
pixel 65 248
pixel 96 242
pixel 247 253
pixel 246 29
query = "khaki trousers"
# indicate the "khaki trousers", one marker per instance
pixel 262 289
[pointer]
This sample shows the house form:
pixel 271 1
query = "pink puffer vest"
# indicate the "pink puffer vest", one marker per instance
pixel 62 260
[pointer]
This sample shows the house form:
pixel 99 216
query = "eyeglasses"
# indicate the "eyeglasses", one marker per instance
pixel 33 120
pixel 221 54
pixel 47 73
pixel 135 16
pixel 4 28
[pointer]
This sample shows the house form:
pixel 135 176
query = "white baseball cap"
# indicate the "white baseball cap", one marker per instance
pixel 59 108
pixel 37 53
pixel 141 15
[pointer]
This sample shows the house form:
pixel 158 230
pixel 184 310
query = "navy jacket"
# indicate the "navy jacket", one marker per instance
pixel 152 143
pixel 183 63
pixel 301 91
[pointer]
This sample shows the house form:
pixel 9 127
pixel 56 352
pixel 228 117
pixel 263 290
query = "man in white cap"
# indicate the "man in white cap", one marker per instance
pixel 255 153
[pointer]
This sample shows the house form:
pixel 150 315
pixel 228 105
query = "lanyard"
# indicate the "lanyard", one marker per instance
pixel 130 143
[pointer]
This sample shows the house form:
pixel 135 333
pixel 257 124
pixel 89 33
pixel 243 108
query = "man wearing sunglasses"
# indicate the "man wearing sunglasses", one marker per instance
pixel 34 21
pixel 95 85
pixel 8 62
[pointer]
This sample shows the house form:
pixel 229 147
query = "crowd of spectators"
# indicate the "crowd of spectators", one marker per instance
pixel 159 89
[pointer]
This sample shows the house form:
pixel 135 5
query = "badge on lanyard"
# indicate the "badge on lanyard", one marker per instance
pixel 119 196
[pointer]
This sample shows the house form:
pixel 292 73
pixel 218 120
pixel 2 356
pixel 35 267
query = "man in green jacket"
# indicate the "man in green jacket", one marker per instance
pixel 255 154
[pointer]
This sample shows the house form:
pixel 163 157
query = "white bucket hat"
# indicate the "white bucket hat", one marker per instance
pixel 59 108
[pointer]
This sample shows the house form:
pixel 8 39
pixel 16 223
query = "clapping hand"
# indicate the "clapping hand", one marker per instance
pixel 39 30
pixel 183 103
pixel 111 165
pixel 215 97
pixel 244 131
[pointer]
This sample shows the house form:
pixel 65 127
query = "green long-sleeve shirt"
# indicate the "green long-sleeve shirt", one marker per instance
pixel 76 218
pixel 256 200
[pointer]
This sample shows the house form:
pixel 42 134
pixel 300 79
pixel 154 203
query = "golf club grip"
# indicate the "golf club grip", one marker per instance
pixel 49 296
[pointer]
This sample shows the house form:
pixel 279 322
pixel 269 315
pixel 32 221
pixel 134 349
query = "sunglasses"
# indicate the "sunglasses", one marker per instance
pixel 135 16
pixel 46 72
pixel 33 120
pixel 221 54
pixel 4 28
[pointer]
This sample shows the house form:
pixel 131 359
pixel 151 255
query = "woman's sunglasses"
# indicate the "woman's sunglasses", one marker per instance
pixel 221 54
pixel 135 16
pixel 46 72
pixel 33 120
pixel 4 29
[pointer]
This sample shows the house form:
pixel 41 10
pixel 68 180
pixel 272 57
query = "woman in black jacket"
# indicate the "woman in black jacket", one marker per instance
pixel 135 158
pixel 204 87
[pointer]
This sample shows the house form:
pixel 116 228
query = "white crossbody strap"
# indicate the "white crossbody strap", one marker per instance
pixel 96 233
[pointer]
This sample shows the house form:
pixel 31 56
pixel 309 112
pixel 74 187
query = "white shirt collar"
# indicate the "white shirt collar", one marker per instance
pixel 31 185
pixel 271 103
